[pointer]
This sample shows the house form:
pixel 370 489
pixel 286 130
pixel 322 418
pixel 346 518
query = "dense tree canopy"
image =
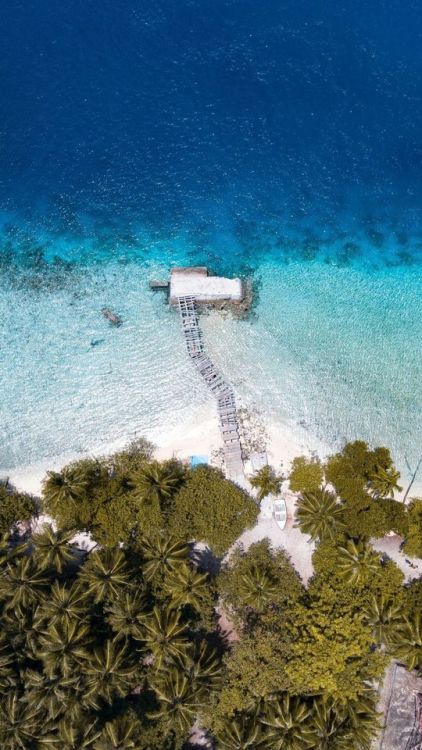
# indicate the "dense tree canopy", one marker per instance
pixel 119 647
pixel 363 503
pixel 91 648
pixel 129 493
pixel 15 507
pixel 210 509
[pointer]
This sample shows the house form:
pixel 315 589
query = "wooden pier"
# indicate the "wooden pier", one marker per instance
pixel 221 390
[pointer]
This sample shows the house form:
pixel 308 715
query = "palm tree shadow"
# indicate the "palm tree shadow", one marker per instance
pixel 205 560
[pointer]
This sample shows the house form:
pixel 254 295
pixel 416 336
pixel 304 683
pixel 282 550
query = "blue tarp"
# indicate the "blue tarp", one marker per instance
pixel 198 460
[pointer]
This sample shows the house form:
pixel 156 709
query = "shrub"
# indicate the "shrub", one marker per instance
pixel 306 475
pixel 211 509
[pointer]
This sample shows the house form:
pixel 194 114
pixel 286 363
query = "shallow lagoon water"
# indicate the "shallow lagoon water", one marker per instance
pixel 329 350
pixel 278 143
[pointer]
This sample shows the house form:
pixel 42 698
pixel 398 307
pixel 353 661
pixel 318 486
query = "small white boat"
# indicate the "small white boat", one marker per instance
pixel 280 512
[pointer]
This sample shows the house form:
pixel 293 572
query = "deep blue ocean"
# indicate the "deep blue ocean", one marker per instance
pixel 276 140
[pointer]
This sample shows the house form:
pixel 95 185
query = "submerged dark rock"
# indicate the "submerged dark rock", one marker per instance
pixel 111 316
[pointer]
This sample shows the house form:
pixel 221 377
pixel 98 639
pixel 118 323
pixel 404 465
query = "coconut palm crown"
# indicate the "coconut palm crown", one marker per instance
pixel 357 562
pixel 319 515
pixel 267 482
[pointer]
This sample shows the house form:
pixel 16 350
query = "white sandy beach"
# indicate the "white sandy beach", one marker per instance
pixel 199 436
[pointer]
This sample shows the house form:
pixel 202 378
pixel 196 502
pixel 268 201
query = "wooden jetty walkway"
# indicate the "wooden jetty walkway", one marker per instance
pixel 221 390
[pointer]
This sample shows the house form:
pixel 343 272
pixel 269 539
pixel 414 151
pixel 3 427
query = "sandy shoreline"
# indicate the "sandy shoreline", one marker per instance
pixel 199 436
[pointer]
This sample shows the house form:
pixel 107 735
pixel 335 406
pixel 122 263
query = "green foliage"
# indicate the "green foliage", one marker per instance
pixel 384 616
pixel 112 650
pixel 52 548
pixel 266 482
pixel 352 471
pixel 384 482
pixel 95 495
pixel 365 517
pixel 15 507
pixel 397 516
pixel 124 463
pixel 319 515
pixel 211 509
pixel 119 734
pixel 330 649
pixel 357 562
pixel 157 483
pixel 93 656
pixel 364 480
pixel 413 541
pixel 163 554
pixel 306 475
pixel 259 578
pixel 241 733
pixel 287 726
pixel 128 495
pixel 338 725
pixel 255 671
pixel 406 641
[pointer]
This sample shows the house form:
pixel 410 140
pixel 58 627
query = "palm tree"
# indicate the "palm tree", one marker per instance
pixel 384 483
pixel 9 551
pixel 52 548
pixel 362 720
pixel 287 724
pixel 66 486
pixel 64 605
pixel 186 586
pixel 163 555
pixel 19 723
pixel 357 562
pixel 109 673
pixel 329 723
pixel 79 735
pixel 22 584
pixel 266 482
pixel 64 647
pixel 105 574
pixel 157 481
pixel 9 675
pixel 343 726
pixel 119 734
pixel 383 616
pixel 240 733
pixel 123 614
pixel 319 515
pixel 164 635
pixel 49 695
pixel 257 588
pixel 406 642
pixel 202 666
pixel 180 699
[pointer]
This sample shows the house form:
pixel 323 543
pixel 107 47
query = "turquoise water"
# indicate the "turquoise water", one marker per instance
pixel 276 142
pixel 330 350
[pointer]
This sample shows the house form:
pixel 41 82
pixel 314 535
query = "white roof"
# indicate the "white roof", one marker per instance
pixel 205 287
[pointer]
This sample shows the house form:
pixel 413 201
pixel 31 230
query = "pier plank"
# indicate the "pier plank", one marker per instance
pixel 226 402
